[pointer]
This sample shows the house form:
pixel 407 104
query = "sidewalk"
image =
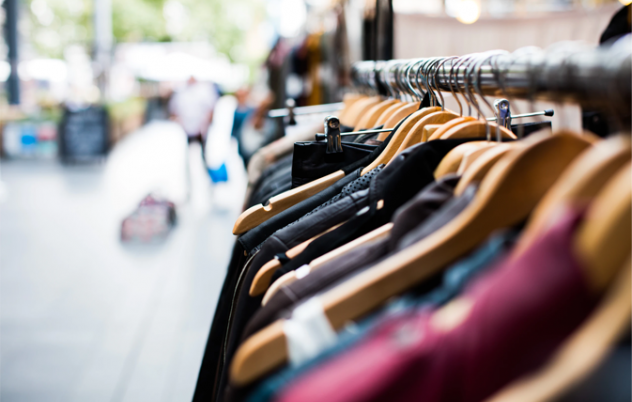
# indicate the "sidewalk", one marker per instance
pixel 85 318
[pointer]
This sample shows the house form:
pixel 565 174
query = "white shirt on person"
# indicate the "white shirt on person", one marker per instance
pixel 192 105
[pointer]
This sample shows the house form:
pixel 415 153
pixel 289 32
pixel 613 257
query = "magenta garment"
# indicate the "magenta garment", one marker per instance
pixel 522 311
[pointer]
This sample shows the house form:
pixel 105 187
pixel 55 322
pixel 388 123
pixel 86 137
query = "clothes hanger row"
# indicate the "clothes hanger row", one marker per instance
pixel 412 89
pixel 502 200
pixel 472 159
pixel 516 180
pixel 408 134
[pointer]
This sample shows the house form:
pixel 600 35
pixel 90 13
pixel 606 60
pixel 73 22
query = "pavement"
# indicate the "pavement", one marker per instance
pixel 84 317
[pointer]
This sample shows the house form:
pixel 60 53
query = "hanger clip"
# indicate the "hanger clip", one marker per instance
pixel 503 113
pixel 332 131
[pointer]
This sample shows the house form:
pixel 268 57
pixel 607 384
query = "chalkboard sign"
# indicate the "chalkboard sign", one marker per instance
pixel 84 134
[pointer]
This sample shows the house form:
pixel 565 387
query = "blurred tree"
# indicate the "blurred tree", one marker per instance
pixel 55 24
pixel 138 20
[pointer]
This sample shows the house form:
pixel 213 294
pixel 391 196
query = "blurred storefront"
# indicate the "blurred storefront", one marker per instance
pixel 507 25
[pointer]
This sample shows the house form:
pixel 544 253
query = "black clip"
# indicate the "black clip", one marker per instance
pixel 332 131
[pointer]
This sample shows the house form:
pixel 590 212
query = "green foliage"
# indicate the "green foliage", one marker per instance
pixel 138 20
pixel 55 24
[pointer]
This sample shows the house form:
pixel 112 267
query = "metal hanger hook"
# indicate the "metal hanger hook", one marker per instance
pixel 463 64
pixel 400 80
pixel 419 78
pixel 478 66
pixel 409 80
pixel 428 78
pixel 449 81
pixel 440 65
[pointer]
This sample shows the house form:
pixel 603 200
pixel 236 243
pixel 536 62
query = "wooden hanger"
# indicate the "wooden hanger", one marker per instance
pixel 290 277
pixel 257 214
pixel 388 113
pixel 372 236
pixel 348 100
pixel 506 196
pixel 447 126
pixel 603 239
pixel 398 137
pixel 429 129
pixel 452 160
pixel 415 135
pixel 369 119
pixel 262 279
pixel 284 280
pixel 397 116
pixel 476 128
pixel 482 166
pixel 578 185
pixel 420 134
pixel 471 156
pixel 603 243
pixel 359 109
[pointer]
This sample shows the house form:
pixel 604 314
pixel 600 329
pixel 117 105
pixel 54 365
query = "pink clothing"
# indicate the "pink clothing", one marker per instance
pixel 522 310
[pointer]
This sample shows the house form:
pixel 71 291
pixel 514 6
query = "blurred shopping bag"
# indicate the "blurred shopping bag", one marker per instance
pixel 219 175
pixel 151 222
pixel 218 138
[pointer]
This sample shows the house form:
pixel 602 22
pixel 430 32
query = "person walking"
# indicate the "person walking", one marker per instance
pixel 192 108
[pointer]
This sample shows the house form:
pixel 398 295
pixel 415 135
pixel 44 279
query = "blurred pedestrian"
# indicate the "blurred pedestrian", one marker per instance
pixel 192 107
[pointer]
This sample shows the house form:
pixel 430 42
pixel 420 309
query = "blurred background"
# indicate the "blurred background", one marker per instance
pixel 125 130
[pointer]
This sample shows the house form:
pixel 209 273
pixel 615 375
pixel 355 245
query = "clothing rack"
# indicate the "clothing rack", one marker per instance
pixel 345 234
pixel 568 72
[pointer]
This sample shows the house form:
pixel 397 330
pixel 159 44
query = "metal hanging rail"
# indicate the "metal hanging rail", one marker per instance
pixel 566 72
pixel 599 77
